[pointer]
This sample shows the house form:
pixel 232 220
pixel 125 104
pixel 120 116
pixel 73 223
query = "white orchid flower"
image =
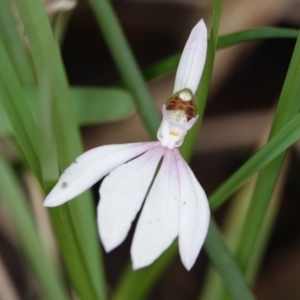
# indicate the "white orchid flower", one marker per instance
pixel 176 205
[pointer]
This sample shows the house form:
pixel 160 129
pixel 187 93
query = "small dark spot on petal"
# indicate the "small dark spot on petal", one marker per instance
pixel 184 202
pixel 64 185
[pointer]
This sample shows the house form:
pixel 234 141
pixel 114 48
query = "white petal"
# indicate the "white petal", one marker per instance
pixel 158 224
pixel 194 214
pixel 90 167
pixel 192 59
pixel 122 194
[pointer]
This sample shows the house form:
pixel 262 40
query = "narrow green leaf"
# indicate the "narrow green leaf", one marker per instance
pixel 224 262
pixel 5 127
pixel 14 46
pixel 60 25
pixel 255 34
pixel 79 273
pixel 279 143
pixel 68 144
pixel 126 64
pixel 16 204
pixel 202 94
pixel 48 155
pixel 18 112
pixel 283 140
pixel 170 63
pixel 135 285
pixel 288 107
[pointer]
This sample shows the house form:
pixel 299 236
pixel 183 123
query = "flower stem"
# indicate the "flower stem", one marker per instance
pixel 126 63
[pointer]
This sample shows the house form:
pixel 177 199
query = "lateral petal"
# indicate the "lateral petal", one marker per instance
pixel 192 59
pixel 194 214
pixel 157 226
pixel 90 167
pixel 122 194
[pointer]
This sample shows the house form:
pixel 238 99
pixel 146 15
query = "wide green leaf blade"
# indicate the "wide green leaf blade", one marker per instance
pixel 101 105
pixel 93 105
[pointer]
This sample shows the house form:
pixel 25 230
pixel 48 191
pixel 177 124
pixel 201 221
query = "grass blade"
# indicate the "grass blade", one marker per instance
pixel 288 107
pixel 126 64
pixel 170 63
pixel 224 262
pixel 279 143
pixel 18 112
pixel 14 46
pixel 17 207
pixel 82 221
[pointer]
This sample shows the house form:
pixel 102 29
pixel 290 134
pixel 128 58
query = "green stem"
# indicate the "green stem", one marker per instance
pixel 126 64
pixel 287 108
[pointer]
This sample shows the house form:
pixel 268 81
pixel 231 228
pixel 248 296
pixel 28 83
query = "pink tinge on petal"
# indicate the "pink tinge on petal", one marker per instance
pixel 122 194
pixel 157 226
pixel 90 167
pixel 194 214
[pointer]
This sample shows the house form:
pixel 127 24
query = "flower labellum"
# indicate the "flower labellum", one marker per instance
pixel 176 204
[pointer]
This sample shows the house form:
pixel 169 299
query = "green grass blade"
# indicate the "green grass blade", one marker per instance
pixel 60 25
pixel 190 139
pixel 170 63
pixel 5 127
pixel 224 262
pixel 256 34
pixel 82 220
pixel 71 251
pixel 126 64
pixel 135 285
pixel 48 156
pixel 18 112
pixel 16 204
pixel 252 236
pixel 14 46
pixel 288 107
pixel 284 139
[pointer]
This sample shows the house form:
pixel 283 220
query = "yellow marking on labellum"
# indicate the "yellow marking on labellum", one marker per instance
pixel 175 133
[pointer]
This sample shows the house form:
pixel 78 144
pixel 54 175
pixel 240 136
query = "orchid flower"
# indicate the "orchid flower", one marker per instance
pixel 176 204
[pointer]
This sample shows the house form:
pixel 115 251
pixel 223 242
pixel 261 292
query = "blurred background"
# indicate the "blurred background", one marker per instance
pixel 246 84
